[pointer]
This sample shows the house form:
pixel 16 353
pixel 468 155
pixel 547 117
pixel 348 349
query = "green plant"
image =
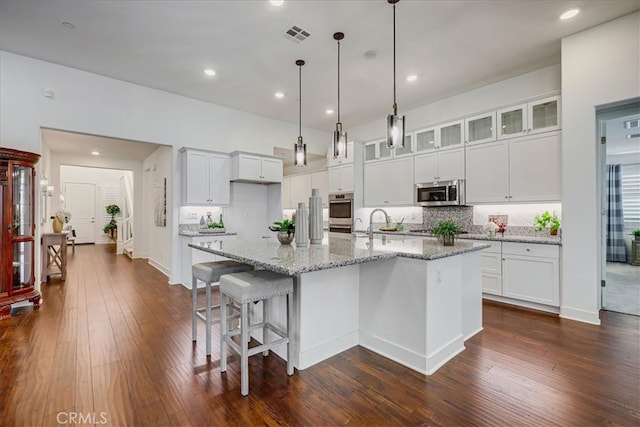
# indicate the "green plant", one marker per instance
pixel 112 210
pixel 544 220
pixel 636 232
pixel 284 225
pixel 446 228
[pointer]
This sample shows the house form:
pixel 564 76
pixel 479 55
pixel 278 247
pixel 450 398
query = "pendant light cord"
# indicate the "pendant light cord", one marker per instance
pixel 300 100
pixel 395 107
pixel 338 81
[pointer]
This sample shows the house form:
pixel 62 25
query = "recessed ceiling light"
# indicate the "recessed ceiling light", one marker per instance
pixel 412 78
pixel 209 72
pixel 570 13
pixel 279 95
pixel 329 111
pixel 276 2
pixel 69 25
pixel 95 152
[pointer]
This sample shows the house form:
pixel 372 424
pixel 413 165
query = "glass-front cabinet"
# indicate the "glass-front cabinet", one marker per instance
pixel 426 140
pixel 534 117
pixel 451 135
pixel 480 128
pixel 17 241
pixel 378 150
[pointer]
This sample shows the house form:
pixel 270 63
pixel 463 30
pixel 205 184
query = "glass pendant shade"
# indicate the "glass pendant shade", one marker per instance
pixel 395 130
pixel 300 153
pixel 339 142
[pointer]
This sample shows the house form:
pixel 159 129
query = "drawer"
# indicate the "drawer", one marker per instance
pixel 496 248
pixel 491 263
pixel 531 249
pixel 492 284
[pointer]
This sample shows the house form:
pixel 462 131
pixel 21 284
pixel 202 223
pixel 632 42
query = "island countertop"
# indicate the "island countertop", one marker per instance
pixel 337 250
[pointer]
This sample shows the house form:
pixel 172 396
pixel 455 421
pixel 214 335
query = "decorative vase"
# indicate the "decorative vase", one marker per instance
pixel 285 237
pixel 57 225
pixel 448 239
pixel 302 227
pixel 315 217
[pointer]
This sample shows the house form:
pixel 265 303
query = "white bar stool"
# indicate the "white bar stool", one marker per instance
pixel 209 273
pixel 247 287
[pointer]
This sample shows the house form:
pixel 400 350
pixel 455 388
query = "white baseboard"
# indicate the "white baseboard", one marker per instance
pixel 580 315
pixel 521 303
pixel 164 270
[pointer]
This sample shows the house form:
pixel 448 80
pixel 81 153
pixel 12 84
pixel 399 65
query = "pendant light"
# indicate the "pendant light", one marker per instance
pixel 395 123
pixel 300 148
pixel 339 147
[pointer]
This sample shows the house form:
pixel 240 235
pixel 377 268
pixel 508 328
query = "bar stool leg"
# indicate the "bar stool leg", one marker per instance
pixel 265 320
pixel 223 331
pixel 208 317
pixel 244 350
pixel 289 361
pixel 194 307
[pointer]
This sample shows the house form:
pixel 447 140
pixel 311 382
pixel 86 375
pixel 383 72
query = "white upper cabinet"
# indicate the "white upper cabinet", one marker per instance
pixel 205 179
pixel 340 179
pixel 378 150
pixel 337 162
pixel 320 180
pixel 426 140
pixel 389 183
pixel 286 193
pixel 524 169
pixel 480 128
pixel 451 135
pixel 439 166
pixel 534 117
pixel 300 189
pixel 247 167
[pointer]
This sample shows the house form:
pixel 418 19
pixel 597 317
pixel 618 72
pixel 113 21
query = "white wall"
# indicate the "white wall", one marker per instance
pixel 93 104
pixel 599 66
pixel 503 93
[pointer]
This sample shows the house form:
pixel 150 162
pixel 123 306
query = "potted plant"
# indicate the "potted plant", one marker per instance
pixel 286 230
pixel 540 222
pixel 111 228
pixel 636 233
pixel 446 230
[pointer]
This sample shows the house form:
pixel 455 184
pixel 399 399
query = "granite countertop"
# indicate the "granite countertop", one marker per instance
pixel 542 239
pixel 337 250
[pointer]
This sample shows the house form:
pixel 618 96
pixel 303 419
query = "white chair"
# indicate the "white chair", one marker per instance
pixel 71 237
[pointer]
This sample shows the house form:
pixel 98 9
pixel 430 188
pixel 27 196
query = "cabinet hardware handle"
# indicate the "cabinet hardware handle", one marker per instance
pixel 506 197
pixel 528 250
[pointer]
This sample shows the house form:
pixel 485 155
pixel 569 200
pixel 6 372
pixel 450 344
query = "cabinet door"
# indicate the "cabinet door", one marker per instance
pixel 320 180
pixel 451 164
pixel 407 150
pixel 512 121
pixel 480 128
pixel 425 168
pixel 389 183
pixel 492 283
pixel 375 182
pixel 544 115
pixel 219 175
pixel 370 151
pixel 286 193
pixel 487 173
pixel 271 170
pixel 532 279
pixel 346 176
pixel 426 140
pixel 249 167
pixel 451 135
pixel 535 164
pixel 337 162
pixel 300 189
pixel 196 175
pixel 384 152
pixel 340 179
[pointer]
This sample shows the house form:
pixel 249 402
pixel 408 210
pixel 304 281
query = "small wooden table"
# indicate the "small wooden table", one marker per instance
pixel 54 255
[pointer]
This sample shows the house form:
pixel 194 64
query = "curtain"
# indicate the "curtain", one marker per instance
pixel 616 247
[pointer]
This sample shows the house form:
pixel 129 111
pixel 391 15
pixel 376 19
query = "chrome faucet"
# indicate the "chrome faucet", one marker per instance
pixel 386 220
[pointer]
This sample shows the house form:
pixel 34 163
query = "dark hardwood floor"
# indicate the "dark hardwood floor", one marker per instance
pixel 113 343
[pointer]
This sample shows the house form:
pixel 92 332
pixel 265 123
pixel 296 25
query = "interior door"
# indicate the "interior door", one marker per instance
pixel 81 202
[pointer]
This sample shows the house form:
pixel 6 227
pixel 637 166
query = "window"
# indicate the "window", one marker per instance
pixel 631 195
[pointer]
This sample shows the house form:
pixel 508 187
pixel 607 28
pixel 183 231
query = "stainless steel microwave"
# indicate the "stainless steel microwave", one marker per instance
pixel 441 193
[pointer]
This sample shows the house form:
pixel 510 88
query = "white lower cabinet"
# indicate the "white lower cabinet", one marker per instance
pixel 531 272
pixel 492 269
pixel 193 256
pixel 389 183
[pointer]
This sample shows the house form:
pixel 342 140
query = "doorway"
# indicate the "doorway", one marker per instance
pixel 80 199
pixel 619 129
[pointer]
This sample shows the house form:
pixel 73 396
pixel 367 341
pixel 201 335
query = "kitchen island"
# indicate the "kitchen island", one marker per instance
pixel 407 298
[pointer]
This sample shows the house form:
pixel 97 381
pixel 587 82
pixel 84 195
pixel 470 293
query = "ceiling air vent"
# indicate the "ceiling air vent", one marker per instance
pixel 296 34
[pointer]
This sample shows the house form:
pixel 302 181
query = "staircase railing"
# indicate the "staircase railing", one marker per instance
pixel 125 233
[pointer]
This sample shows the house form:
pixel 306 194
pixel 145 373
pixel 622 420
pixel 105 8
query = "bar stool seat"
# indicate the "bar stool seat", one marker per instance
pixel 209 273
pixel 247 287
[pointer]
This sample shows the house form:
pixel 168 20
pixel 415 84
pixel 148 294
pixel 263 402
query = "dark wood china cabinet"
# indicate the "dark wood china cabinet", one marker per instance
pixel 17 235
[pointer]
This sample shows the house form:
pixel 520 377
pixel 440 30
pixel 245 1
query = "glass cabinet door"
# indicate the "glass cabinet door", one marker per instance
pixel 22 201
pixel 408 149
pixel 512 121
pixel 22 265
pixel 544 115
pixel 451 134
pixel 370 151
pixel 384 152
pixel 480 128
pixel 426 140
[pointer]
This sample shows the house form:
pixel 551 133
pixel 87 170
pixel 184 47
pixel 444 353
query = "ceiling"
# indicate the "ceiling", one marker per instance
pixel 452 47
pixel 623 135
